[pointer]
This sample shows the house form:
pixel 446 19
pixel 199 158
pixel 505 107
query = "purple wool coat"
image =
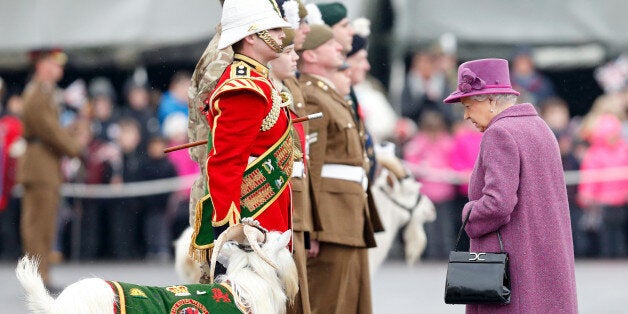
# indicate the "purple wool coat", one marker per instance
pixel 518 187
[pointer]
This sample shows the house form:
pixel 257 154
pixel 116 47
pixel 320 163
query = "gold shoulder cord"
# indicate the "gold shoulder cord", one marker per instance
pixel 280 100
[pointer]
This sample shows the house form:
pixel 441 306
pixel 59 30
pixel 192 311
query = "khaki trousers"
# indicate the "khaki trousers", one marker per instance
pixel 38 224
pixel 301 303
pixel 339 280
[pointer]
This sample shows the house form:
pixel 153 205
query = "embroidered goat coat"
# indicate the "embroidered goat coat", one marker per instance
pixel 518 188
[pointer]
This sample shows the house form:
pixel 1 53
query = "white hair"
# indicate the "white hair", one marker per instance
pixel 500 99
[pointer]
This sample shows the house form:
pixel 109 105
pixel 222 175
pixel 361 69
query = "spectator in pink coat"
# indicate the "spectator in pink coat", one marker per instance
pixel 606 198
pixel 517 188
pixel 175 130
pixel 465 152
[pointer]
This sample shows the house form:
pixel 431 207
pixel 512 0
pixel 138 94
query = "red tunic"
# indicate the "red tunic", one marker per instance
pixel 10 132
pixel 237 110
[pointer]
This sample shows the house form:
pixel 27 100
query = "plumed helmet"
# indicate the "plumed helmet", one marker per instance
pixel 241 18
pixel 289 10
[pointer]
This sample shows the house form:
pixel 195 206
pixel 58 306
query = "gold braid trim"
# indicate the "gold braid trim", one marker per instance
pixel 270 41
pixel 272 116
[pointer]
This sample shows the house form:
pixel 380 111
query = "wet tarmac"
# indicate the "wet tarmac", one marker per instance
pixel 602 284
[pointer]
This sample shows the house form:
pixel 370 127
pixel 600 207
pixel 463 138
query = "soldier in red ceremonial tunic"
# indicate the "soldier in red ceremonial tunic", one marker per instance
pixel 250 148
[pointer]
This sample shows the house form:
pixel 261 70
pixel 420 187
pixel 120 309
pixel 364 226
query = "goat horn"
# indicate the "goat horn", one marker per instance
pixel 233 232
pixel 254 236
pixel 212 264
pixel 393 164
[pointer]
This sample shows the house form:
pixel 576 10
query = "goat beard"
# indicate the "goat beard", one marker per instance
pixel 270 41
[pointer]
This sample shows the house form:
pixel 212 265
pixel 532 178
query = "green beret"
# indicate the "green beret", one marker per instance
pixel 318 35
pixel 332 12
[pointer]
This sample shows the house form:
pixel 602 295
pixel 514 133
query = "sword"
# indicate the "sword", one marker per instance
pixel 203 142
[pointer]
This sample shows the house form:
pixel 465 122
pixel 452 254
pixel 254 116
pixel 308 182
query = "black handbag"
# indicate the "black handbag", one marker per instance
pixel 477 278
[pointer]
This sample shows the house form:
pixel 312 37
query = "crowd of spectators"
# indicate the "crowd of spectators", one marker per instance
pixel 127 133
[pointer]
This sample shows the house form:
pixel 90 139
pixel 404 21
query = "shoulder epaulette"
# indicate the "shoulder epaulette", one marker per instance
pixel 240 69
pixel 317 83
pixel 241 79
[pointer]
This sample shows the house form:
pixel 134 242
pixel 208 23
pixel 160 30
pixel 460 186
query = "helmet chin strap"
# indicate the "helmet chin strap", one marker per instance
pixel 270 41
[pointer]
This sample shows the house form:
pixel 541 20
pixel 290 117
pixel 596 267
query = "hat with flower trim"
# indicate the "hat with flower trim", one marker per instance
pixel 480 77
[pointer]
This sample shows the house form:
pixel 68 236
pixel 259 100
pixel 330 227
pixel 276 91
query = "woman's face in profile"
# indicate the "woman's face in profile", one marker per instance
pixel 478 112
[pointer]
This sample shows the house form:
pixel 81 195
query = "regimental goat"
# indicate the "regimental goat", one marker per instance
pixel 400 204
pixel 261 277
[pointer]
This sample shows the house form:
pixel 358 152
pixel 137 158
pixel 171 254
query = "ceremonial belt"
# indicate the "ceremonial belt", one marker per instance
pixel 298 169
pixel 263 181
pixel 345 172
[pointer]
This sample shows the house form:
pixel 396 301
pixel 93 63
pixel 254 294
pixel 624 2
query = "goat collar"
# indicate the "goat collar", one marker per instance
pixel 407 208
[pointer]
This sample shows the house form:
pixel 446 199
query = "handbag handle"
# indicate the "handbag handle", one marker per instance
pixel 499 237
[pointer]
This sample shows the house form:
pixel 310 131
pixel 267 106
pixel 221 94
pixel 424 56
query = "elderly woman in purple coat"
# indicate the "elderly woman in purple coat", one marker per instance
pixel 517 187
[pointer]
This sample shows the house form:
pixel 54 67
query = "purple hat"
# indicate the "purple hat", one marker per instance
pixel 479 77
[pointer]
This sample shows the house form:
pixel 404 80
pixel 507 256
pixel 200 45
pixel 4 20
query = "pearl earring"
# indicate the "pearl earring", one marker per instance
pixel 492 110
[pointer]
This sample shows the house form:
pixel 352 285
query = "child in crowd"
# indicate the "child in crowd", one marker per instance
pixel 124 217
pixel 155 224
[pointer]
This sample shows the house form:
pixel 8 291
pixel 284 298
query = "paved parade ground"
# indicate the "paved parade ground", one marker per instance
pixel 602 285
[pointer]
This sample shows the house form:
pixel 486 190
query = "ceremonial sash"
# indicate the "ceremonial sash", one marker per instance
pixel 263 181
pixel 192 298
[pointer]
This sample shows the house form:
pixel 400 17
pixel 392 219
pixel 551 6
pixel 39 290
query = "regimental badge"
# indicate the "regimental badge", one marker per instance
pixel 286 99
pixel 220 296
pixel 268 166
pixel 188 306
pixel 180 291
pixel 137 293
pixel 279 182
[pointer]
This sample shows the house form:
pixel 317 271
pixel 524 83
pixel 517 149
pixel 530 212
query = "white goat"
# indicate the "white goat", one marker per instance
pixel 262 278
pixel 399 202
pixel 188 270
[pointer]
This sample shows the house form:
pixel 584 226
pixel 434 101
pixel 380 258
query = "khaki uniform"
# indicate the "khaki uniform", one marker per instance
pixel 39 170
pixel 305 217
pixel 339 277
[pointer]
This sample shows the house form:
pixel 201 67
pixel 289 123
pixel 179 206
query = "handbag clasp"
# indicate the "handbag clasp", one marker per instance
pixel 476 256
